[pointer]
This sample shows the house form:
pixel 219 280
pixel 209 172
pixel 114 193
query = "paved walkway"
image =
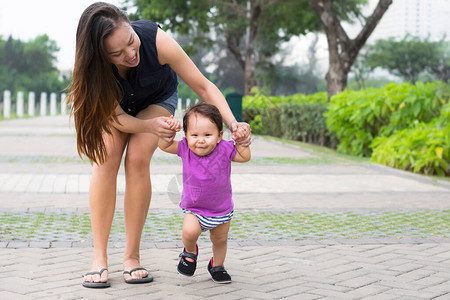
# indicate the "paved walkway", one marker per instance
pixel 41 174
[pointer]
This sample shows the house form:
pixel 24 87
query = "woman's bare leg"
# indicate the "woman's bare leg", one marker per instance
pixel 102 200
pixel 138 190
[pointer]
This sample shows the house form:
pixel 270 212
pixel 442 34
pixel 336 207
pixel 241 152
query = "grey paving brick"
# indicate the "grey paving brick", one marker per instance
pixel 324 286
pixel 331 294
pixel 367 290
pixel 420 294
pixel 432 280
pixel 382 296
pixel 13 295
pixel 443 296
pixel 305 296
pixel 407 267
pixel 358 282
pixel 18 245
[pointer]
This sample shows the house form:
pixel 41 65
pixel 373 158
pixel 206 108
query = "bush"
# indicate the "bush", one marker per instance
pixel 424 148
pixel 296 117
pixel 358 117
pixel 305 122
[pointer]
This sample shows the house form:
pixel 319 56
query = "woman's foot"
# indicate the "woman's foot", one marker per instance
pixel 134 271
pixel 99 270
pixel 96 279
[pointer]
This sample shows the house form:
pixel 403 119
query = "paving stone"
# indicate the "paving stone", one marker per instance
pixel 358 282
pixel 445 295
pixel 13 295
pixel 382 296
pixel 367 290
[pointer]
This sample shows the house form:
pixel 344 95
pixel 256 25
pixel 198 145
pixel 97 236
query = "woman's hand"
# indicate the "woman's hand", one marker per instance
pixel 164 127
pixel 241 133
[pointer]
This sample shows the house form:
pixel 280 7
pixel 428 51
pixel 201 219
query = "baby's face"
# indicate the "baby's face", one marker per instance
pixel 202 135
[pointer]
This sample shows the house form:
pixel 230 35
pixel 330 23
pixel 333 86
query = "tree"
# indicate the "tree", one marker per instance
pixel 342 50
pixel 410 57
pixel 441 67
pixel 281 79
pixel 252 29
pixel 29 66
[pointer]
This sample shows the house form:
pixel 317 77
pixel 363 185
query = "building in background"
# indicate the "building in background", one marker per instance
pixel 421 18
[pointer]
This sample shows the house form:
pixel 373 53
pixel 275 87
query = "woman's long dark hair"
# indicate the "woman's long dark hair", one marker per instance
pixel 94 91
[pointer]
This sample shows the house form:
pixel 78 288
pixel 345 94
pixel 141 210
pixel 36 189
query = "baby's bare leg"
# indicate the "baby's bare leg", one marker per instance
pixel 219 237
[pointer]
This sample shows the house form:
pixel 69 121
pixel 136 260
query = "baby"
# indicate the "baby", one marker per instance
pixel 207 198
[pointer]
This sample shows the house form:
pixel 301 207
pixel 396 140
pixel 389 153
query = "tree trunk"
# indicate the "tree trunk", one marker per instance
pixel 336 80
pixel 341 49
pixel 247 59
pixel 255 14
pixel 250 81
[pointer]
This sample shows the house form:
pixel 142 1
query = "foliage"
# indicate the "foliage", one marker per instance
pixel 305 122
pixel 410 57
pixel 357 117
pixel 297 117
pixel 424 148
pixel 250 31
pixel 29 66
pixel 375 82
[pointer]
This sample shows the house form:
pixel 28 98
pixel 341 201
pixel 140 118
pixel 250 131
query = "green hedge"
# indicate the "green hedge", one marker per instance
pixel 400 125
pixel 358 117
pixel 296 117
pixel 423 148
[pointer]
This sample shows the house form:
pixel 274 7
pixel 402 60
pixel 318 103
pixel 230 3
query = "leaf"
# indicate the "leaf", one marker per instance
pixel 439 151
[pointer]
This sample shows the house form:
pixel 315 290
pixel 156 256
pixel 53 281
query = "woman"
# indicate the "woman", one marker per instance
pixel 123 89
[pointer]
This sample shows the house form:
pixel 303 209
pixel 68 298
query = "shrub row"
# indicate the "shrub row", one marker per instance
pixel 422 148
pixel 296 117
pixel 357 117
pixel 401 125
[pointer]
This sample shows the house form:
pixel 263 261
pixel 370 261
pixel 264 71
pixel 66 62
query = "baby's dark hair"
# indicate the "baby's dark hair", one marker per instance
pixel 207 110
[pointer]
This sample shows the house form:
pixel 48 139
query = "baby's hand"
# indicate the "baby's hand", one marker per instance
pixel 174 125
pixel 171 138
pixel 242 134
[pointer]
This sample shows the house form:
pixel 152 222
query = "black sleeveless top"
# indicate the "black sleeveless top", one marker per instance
pixel 149 82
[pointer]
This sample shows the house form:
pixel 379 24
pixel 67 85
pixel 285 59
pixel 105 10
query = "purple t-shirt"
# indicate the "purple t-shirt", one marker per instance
pixel 207 179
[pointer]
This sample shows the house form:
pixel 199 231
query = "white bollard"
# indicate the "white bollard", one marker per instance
pixel 19 104
pixel 188 103
pixel 53 104
pixel 31 104
pixel 7 104
pixel 43 103
pixel 179 105
pixel 63 104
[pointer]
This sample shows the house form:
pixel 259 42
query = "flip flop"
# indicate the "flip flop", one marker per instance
pixel 96 285
pixel 146 279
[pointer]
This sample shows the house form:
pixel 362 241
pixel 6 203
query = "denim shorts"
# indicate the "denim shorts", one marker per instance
pixel 208 223
pixel 170 103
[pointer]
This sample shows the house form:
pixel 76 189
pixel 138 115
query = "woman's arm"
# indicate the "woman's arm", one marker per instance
pixel 129 124
pixel 169 52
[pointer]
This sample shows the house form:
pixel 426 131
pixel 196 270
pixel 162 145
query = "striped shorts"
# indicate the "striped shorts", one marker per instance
pixel 208 223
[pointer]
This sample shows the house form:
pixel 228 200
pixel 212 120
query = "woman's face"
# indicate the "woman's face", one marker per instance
pixel 123 46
